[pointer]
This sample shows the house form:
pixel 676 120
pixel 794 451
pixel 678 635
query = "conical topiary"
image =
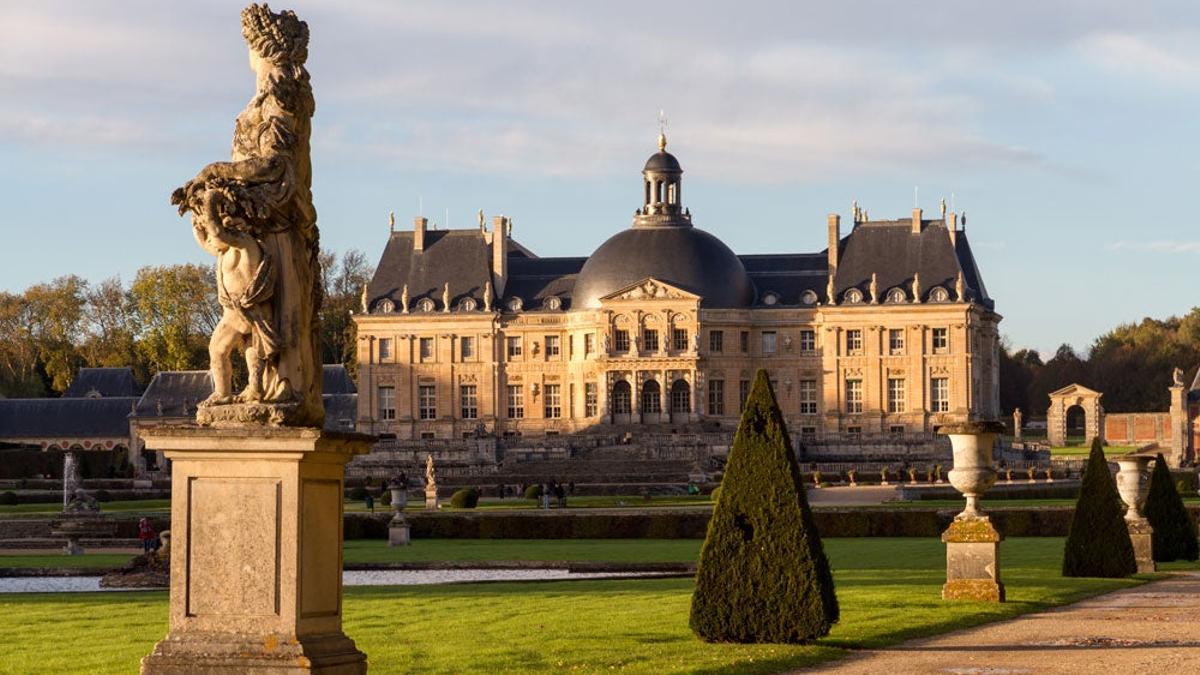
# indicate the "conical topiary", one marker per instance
pixel 1174 535
pixel 763 575
pixel 1098 543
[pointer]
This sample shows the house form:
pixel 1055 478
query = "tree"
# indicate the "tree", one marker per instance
pixel 56 326
pixel 110 325
pixel 763 575
pixel 1098 543
pixel 1174 535
pixel 343 282
pixel 18 350
pixel 177 310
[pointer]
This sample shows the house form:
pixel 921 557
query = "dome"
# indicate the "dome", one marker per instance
pixel 663 161
pixel 687 257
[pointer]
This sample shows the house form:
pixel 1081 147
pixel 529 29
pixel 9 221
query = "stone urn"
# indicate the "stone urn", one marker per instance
pixel 1133 483
pixel 972 474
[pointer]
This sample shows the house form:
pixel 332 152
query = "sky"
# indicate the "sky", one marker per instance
pixel 1065 130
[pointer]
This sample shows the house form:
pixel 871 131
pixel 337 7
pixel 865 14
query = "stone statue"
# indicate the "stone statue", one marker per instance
pixel 606 343
pixel 391 221
pixel 255 214
pixel 1177 377
pixel 696 341
pixel 829 291
pixel 404 299
pixel 960 288
pixel 362 299
pixel 874 288
pixel 446 297
pixel 487 291
pixel 1017 424
pixel 430 478
pixel 917 287
pixel 81 502
pixel 482 227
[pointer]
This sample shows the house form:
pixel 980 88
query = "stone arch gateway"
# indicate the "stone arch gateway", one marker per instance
pixel 1063 400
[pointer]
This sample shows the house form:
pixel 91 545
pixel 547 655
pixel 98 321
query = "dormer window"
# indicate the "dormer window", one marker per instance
pixel 386 306
pixel 939 294
pixel 896 296
pixel 552 303
pixel 467 305
pixel 808 297
pixel 515 304
pixel 853 297
pixel 770 298
pixel 425 305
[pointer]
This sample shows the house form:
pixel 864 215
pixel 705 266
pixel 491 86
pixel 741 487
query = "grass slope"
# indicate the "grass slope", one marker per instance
pixel 888 590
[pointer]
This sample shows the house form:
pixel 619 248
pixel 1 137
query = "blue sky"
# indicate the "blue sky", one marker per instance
pixel 1066 130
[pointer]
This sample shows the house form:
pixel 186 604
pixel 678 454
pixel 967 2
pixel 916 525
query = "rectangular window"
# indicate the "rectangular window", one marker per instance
pixel 552 348
pixel 896 430
pixel 896 400
pixel 650 340
pixel 768 342
pixel 513 346
pixel 590 399
pixel 854 431
pixel 808 397
pixel 808 341
pixel 469 397
pixel 854 341
pixel 854 396
pixel 716 397
pixel 589 344
pixel 716 341
pixel 939 394
pixel 941 340
pixel 679 339
pixel 427 402
pixel 427 435
pixel 743 394
pixel 552 399
pixel 744 341
pixel 621 340
pixel 387 403
pixel 466 348
pixel 516 401
pixel 808 432
pixel 426 348
pixel 896 341
pixel 385 349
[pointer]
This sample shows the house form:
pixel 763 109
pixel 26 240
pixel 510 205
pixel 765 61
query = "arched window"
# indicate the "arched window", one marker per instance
pixel 651 397
pixel 854 296
pixel 681 397
pixel 896 295
pixel 939 294
pixel 808 297
pixel 621 398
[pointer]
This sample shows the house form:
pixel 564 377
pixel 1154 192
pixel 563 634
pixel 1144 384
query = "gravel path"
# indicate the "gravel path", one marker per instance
pixel 1153 628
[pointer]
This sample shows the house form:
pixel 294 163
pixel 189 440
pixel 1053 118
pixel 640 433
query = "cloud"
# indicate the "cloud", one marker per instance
pixel 1160 246
pixel 1170 57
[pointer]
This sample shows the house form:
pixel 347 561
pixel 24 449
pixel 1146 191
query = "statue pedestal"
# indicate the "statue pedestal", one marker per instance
pixel 431 498
pixel 256 520
pixel 972 561
pixel 1140 534
pixel 398 531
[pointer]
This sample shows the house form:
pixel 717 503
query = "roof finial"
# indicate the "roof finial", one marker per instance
pixel 662 130
pixel 392 221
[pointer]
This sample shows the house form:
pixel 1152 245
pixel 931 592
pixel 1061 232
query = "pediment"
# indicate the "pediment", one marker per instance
pixel 1075 390
pixel 651 289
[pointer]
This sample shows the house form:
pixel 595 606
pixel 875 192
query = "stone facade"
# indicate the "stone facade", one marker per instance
pixel 467 333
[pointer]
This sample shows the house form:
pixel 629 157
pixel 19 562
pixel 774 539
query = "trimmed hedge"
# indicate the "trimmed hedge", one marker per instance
pixel 1174 536
pixel 762 576
pixel 533 492
pixel 465 499
pixel 1098 543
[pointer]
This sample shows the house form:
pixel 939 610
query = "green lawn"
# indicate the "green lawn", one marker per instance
pixel 581 502
pixel 144 506
pixel 888 590
pixel 1084 449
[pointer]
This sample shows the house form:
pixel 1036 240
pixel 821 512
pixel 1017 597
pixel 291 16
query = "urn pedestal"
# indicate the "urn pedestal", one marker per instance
pixel 972 542
pixel 256 575
pixel 1133 484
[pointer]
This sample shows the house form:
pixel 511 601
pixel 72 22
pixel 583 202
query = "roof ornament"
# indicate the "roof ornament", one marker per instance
pixel 662 130
pixel 446 297
pixel 855 212
pixel 963 220
pixel 391 221
pixel 404 299
pixel 487 294
pixel 943 208
pixel 482 227
pixel 508 223
pixel 916 287
pixel 362 299
pixel 829 291
pixel 874 289
pixel 960 288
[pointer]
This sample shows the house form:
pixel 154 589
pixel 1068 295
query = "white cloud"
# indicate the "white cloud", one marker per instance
pixel 1159 246
pixel 1167 57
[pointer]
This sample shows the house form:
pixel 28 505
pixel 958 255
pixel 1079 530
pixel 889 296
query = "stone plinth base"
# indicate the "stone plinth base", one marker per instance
pixel 972 561
pixel 398 531
pixel 256 578
pixel 1140 534
pixel 193 653
pixel 243 414
pixel 431 499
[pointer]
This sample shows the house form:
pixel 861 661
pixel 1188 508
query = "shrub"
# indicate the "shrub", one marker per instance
pixel 533 492
pixel 9 498
pixel 763 575
pixel 716 493
pixel 358 493
pixel 467 498
pixel 385 499
pixel 1174 535
pixel 1098 543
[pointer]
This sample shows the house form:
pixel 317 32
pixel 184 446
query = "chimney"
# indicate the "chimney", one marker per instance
pixel 419 224
pixel 835 238
pixel 952 226
pixel 499 254
pixel 916 221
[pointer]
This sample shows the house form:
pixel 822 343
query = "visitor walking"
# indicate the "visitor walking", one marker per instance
pixel 147 534
pixel 370 502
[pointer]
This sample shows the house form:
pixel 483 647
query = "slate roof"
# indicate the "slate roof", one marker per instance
pixel 461 258
pixel 787 274
pixel 335 380
pixel 340 411
pixel 177 391
pixel 103 382
pixel 51 418
pixel 890 250
pixel 535 279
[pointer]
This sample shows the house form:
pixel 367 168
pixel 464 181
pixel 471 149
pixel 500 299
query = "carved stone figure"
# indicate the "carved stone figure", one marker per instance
pixel 255 214
pixel 362 299
pixel 1017 417
pixel 487 292
pixel 917 287
pixel 874 288
pixel 829 291
pixel 446 297
pixel 430 478
pixel 960 288
pixel 1177 377
pixel 404 299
